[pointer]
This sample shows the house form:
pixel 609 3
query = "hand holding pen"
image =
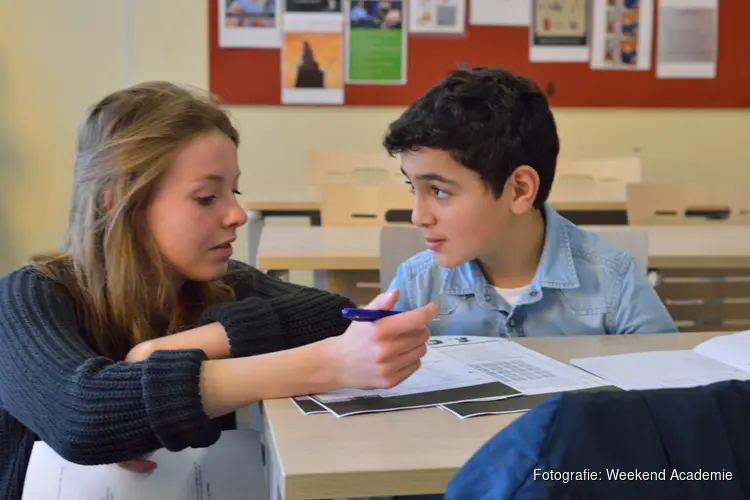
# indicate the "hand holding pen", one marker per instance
pixel 381 349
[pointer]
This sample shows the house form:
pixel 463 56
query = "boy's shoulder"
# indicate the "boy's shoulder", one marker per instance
pixel 589 248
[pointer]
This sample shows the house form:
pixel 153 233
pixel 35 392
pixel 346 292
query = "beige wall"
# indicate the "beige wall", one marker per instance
pixel 56 58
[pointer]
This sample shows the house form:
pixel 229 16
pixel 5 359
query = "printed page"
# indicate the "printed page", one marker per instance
pixel 228 470
pixel 521 368
pixel 439 380
pixel 732 350
pixel 659 369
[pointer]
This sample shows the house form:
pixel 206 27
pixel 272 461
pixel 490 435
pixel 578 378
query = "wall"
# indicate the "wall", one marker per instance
pixel 56 58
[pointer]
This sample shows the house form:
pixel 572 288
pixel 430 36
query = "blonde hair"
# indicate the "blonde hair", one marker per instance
pixel 109 260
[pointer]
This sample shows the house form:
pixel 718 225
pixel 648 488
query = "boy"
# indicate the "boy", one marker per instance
pixel 479 150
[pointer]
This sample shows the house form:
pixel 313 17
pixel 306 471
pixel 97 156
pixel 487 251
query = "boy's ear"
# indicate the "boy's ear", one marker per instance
pixel 523 185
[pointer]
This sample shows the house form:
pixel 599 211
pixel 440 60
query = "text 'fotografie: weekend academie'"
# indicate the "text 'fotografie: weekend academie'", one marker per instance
pixel 636 475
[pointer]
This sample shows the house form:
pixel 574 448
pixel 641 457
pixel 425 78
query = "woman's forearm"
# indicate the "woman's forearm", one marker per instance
pixel 229 384
pixel 211 339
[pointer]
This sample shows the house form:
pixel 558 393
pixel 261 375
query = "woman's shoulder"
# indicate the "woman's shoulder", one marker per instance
pixel 28 287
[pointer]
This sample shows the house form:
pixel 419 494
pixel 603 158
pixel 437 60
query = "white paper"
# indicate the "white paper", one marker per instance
pixel 521 368
pixel 437 16
pixel 659 369
pixel 249 24
pixel 622 34
pixel 559 31
pixel 732 350
pixel 230 469
pixel 500 12
pixel 688 39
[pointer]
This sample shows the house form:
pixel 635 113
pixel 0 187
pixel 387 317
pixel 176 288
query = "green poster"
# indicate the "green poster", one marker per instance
pixel 376 42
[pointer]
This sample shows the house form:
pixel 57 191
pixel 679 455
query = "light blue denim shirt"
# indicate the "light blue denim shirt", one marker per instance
pixel 583 286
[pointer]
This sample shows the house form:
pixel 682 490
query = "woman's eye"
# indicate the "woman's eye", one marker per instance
pixel 205 200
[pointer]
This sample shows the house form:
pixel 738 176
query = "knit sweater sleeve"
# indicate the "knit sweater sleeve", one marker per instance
pixel 89 409
pixel 271 315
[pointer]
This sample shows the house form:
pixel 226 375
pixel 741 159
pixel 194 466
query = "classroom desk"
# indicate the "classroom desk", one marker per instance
pixel 357 248
pixel 407 452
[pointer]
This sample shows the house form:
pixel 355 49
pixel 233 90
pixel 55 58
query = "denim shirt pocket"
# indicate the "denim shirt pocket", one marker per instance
pixel 447 305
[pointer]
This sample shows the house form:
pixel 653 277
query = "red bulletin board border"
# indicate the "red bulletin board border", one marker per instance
pixel 253 76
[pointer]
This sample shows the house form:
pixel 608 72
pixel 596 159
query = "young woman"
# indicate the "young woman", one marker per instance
pixel 141 332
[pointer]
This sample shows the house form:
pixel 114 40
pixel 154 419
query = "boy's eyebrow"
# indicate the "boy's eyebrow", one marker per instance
pixel 430 176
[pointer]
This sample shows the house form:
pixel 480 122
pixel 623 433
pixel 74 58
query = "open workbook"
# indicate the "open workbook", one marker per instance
pixel 459 370
pixel 726 357
pixel 228 470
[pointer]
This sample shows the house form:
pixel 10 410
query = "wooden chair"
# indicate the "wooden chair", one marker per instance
pixel 363 204
pixel 699 299
pixel 352 166
pixel 688 204
pixel 601 178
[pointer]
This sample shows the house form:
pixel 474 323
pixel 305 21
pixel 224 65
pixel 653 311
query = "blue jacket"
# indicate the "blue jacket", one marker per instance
pixel 680 444
pixel 583 286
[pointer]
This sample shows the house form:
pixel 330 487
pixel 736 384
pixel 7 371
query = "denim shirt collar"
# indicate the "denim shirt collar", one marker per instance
pixel 556 267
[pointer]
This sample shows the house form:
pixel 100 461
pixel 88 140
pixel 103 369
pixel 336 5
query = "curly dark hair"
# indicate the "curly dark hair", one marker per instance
pixel 489 120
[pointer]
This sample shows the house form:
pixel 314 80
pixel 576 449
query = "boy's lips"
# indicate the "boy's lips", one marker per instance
pixel 434 244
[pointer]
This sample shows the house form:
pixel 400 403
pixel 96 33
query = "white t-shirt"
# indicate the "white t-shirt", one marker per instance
pixel 512 295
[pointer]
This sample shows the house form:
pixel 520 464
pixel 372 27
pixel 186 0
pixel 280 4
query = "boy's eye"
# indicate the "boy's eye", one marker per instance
pixel 439 193
pixel 205 200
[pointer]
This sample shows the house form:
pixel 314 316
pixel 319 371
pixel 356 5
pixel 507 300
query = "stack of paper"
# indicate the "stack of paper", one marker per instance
pixel 466 376
pixel 721 358
pixel 232 468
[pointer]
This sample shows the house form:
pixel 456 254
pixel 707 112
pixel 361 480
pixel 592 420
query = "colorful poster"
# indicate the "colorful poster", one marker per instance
pixel 437 16
pixel 375 43
pixel 622 34
pixel 312 70
pixel 249 23
pixel 559 31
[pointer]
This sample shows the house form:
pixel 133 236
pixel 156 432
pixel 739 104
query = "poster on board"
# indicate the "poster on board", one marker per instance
pixel 559 31
pixel 622 34
pixel 437 16
pixel 375 43
pixel 249 24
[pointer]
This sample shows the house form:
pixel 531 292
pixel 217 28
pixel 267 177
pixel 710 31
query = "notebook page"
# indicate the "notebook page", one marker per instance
pixel 732 349
pixel 659 369
pixel 228 470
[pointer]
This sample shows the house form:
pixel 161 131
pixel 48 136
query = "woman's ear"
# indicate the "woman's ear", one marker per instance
pixel 107 201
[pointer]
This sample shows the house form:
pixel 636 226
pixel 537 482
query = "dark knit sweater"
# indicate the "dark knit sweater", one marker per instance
pixel 92 410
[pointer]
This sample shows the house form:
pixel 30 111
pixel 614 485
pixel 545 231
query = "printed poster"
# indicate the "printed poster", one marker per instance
pixel 437 16
pixel 622 34
pixel 688 43
pixel 559 31
pixel 375 43
pixel 249 24
pixel 312 52
pixel 312 68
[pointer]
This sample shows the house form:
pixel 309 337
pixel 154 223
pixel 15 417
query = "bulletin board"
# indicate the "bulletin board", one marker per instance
pixel 253 76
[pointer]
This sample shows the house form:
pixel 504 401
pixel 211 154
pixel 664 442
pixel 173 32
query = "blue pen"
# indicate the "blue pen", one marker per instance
pixel 366 314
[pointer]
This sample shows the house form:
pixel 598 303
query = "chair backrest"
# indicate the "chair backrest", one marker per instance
pixel 688 204
pixel 364 204
pixel 602 178
pixel 397 244
pixel 352 166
